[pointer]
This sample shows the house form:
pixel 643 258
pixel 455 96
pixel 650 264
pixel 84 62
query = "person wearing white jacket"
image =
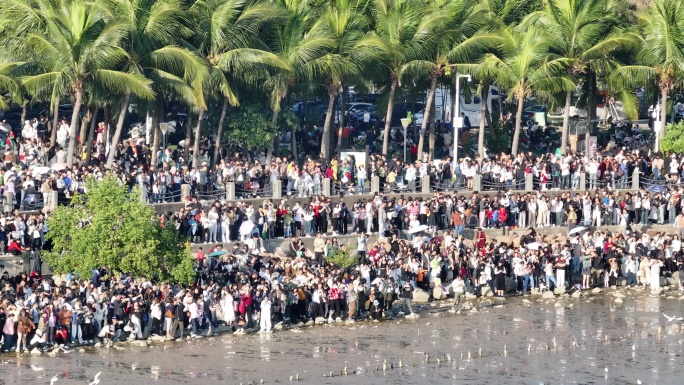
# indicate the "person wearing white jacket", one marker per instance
pixel 265 318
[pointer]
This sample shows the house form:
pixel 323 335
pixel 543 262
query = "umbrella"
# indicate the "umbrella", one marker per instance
pixel 576 230
pixel 41 170
pixel 534 246
pixel 657 188
pixel 246 227
pixel 59 166
pixel 218 253
pixel 417 229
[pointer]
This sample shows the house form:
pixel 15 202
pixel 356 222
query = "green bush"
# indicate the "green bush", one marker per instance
pixel 344 258
pixel 673 140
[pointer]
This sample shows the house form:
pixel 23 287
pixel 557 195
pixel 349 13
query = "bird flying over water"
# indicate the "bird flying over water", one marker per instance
pixel 37 368
pixel 97 379
pixel 670 319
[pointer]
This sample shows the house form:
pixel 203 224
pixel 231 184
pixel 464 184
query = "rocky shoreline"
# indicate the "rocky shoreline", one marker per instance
pixel 438 307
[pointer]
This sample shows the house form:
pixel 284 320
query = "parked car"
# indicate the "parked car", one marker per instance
pixel 534 113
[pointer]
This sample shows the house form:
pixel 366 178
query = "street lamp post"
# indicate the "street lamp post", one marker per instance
pixel 457 119
pixel 163 127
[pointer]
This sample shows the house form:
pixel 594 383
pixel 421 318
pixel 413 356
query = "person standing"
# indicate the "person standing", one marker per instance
pixel 265 319
pixel 407 298
pixel 500 275
pixel 178 317
pixel 459 292
pixel 319 245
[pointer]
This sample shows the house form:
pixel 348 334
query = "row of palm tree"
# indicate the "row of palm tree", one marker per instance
pixel 107 54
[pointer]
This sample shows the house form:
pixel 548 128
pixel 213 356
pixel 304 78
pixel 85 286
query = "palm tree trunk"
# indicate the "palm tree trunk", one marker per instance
pixel 343 109
pixel 483 119
pixel 388 116
pixel 293 141
pixel 501 106
pixel 325 139
pixel 433 132
pixel 274 126
pixel 663 115
pixel 426 115
pixel 198 135
pixel 591 98
pixel 55 120
pixel 24 104
pixel 158 136
pixel 78 100
pixel 518 119
pixel 222 119
pixel 119 127
pixel 566 121
pixel 84 126
pixel 188 135
pixel 91 135
pixel 107 137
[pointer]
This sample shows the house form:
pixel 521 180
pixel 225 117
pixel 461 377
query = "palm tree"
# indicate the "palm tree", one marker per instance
pixel 301 47
pixel 461 40
pixel 227 36
pixel 79 44
pixel 583 32
pixel 528 67
pixel 661 53
pixel 345 23
pixel 9 83
pixel 404 32
pixel 154 28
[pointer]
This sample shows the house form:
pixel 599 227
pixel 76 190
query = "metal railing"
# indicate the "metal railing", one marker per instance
pixel 212 193
pixel 441 185
pixel 31 202
pixel 253 189
pixel 401 187
pixel 339 188
pixel 495 184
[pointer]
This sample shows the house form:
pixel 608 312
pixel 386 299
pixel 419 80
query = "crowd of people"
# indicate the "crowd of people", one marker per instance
pixel 244 289
pixel 34 167
pixel 421 240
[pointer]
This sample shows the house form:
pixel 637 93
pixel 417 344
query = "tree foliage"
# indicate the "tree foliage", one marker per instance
pixel 673 140
pixel 113 229
pixel 249 124
pixel 344 257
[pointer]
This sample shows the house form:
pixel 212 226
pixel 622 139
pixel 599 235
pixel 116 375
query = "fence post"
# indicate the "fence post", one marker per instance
pixel 230 191
pixel 325 187
pixel 529 182
pixel 635 179
pixel 425 184
pixel 185 191
pixel 477 182
pixel 583 182
pixel 375 184
pixel 277 189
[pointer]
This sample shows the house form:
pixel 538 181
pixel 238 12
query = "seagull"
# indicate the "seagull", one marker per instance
pixel 97 379
pixel 37 368
pixel 670 319
pixel 54 379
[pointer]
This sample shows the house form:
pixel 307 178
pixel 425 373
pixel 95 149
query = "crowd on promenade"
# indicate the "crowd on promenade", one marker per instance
pixel 34 167
pixel 245 289
pixel 421 239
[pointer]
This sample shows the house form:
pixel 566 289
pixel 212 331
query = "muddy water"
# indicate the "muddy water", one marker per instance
pixel 633 351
